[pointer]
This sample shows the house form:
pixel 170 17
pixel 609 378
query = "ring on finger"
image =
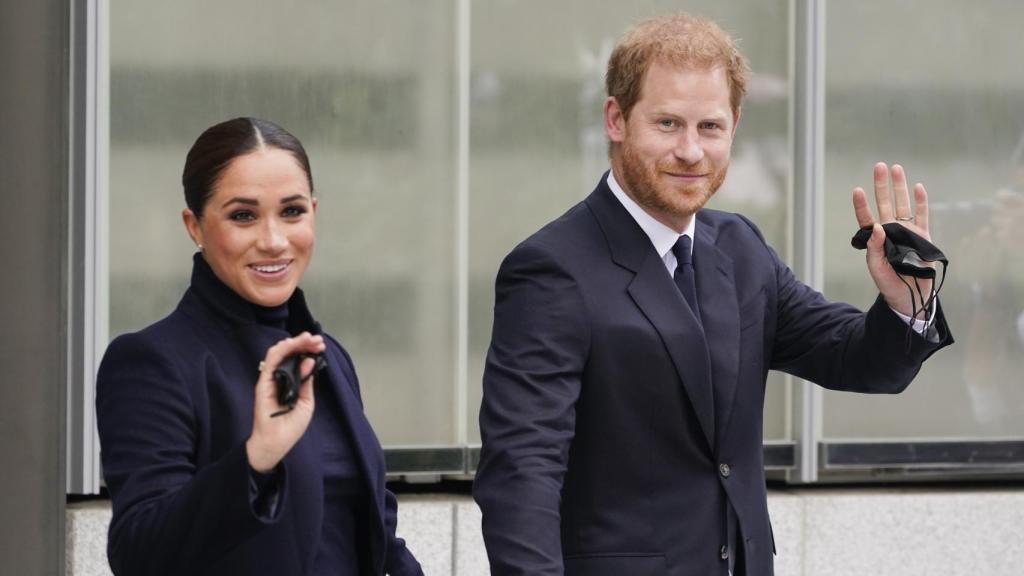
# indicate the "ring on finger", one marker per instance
pixel 904 218
pixel 262 365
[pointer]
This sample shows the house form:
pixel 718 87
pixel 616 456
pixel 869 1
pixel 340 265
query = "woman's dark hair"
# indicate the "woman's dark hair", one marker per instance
pixel 220 144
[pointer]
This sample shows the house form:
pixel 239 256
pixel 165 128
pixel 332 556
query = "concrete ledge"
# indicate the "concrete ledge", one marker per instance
pixel 818 532
pixel 86 529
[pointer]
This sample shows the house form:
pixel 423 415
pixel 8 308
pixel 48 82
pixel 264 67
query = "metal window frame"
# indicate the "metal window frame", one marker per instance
pixel 88 234
pixel 808 115
pixel 808 458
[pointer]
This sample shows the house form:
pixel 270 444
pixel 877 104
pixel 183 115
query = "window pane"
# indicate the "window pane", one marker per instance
pixel 936 86
pixel 367 86
pixel 538 145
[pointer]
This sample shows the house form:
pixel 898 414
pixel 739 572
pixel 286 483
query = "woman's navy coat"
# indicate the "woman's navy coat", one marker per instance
pixel 174 405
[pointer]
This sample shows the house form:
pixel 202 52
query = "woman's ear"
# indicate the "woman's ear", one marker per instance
pixel 192 227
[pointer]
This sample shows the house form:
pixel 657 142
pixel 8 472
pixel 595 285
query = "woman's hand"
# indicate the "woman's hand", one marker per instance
pixel 273 437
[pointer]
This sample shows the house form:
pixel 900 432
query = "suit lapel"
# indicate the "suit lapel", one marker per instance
pixel 654 292
pixel 716 292
pixel 663 305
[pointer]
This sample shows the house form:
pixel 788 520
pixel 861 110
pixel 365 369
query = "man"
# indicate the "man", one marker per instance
pixel 624 386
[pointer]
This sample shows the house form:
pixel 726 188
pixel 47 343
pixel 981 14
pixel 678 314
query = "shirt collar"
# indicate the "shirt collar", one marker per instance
pixel 662 237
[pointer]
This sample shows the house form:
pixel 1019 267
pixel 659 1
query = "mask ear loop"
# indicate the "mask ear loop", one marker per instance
pixel 926 305
pixel 908 341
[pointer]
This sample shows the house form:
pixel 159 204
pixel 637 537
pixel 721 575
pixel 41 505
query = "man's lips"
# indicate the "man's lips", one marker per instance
pixel 686 174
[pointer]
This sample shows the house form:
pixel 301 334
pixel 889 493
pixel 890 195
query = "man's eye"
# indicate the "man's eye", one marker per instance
pixel 293 211
pixel 667 123
pixel 242 216
pixel 709 125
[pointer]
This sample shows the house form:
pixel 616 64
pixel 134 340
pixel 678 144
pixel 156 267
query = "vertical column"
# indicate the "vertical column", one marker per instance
pixel 33 179
pixel 462 78
pixel 808 186
pixel 88 230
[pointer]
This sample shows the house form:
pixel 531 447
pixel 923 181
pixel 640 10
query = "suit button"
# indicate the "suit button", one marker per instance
pixel 724 470
pixel 724 553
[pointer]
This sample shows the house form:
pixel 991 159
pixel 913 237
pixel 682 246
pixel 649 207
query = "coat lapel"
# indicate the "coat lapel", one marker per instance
pixel 658 298
pixel 716 292
pixel 364 442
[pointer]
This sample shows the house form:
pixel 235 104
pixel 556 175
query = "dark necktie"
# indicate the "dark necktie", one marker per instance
pixel 684 273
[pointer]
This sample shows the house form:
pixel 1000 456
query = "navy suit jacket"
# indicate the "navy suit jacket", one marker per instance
pixel 615 429
pixel 174 405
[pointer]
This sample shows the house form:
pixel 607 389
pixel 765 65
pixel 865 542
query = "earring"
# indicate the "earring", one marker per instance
pixel 200 246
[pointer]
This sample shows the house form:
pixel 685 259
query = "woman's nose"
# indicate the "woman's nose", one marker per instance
pixel 272 237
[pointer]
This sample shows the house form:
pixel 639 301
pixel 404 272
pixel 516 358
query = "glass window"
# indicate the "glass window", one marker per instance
pixel 936 87
pixel 538 144
pixel 368 87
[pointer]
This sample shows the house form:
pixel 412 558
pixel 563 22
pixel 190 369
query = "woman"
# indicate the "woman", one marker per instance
pixel 206 477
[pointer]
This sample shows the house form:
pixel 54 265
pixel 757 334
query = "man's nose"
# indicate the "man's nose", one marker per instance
pixel 688 147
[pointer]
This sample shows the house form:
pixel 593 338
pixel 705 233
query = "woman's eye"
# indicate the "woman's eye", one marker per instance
pixel 242 216
pixel 293 211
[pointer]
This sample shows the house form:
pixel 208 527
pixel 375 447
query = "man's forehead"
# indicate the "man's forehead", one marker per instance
pixel 668 66
pixel 667 79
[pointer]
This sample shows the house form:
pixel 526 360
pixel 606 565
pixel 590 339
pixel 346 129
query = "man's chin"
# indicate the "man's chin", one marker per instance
pixel 690 201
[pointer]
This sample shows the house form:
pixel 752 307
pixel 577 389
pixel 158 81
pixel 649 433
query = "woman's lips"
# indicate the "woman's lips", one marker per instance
pixel 271 270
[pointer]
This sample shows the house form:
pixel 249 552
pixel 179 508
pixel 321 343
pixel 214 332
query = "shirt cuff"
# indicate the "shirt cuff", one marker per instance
pixel 922 327
pixel 264 492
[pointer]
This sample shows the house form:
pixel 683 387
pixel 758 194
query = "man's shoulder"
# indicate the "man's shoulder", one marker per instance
pixel 572 231
pixel 721 225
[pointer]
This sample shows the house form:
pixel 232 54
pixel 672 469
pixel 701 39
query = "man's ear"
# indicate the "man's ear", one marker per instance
pixel 192 226
pixel 614 120
pixel 736 119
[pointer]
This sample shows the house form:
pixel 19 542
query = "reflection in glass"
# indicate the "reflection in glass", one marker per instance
pixel 367 86
pixel 943 99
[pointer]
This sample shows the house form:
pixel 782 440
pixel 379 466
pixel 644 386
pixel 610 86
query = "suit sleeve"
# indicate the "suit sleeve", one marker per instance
pixel 531 384
pixel 398 560
pixel 168 517
pixel 839 347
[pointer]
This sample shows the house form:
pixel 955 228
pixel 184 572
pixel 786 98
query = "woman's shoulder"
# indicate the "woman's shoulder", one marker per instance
pixel 173 340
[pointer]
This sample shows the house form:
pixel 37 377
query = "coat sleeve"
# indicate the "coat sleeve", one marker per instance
pixel 840 347
pixel 399 561
pixel 531 383
pixel 168 516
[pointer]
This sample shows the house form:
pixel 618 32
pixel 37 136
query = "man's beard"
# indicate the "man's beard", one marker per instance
pixel 677 202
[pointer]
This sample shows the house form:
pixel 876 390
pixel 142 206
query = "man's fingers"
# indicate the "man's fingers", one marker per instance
pixel 921 210
pixel 876 250
pixel 883 198
pixel 900 193
pixel 861 208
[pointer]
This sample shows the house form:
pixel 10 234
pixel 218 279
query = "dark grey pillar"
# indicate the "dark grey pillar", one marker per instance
pixel 33 197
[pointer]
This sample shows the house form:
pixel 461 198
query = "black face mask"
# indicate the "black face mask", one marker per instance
pixel 908 253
